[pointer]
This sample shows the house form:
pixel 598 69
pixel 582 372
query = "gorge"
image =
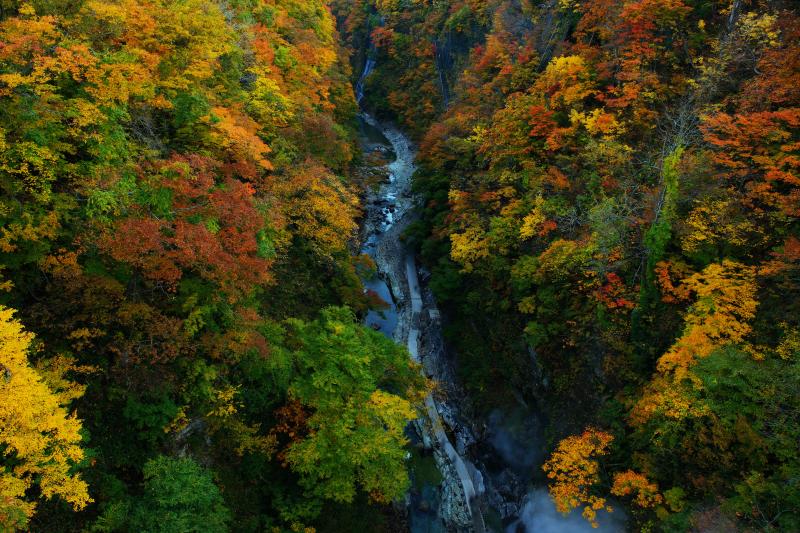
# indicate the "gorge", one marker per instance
pixel 510 442
pixel 399 266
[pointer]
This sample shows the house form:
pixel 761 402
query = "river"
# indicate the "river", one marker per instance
pixel 485 468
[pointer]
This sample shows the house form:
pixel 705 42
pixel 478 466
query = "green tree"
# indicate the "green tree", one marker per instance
pixel 179 497
pixel 360 387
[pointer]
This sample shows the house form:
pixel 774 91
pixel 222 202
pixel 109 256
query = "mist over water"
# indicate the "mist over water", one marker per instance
pixel 539 515
pixel 516 437
pixel 516 440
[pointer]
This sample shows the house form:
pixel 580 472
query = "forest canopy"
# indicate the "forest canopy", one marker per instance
pixel 608 207
pixel 176 215
pixel 610 194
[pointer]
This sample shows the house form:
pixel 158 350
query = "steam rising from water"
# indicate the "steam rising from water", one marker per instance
pixel 539 515
pixel 516 439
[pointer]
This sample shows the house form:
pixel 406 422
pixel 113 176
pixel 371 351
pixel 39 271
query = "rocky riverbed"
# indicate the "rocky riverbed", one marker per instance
pixel 389 210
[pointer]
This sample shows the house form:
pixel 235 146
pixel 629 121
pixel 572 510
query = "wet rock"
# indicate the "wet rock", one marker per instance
pixel 454 509
pixel 508 510
pixel 391 210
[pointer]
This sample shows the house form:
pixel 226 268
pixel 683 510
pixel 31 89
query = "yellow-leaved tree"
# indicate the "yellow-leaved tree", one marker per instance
pixel 574 472
pixel 726 302
pixel 39 439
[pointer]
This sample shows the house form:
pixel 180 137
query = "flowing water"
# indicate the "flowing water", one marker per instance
pixel 368 66
pixel 388 211
pixel 380 215
pixel 482 484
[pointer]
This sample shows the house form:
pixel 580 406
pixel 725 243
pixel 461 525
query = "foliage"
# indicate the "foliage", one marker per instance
pixel 609 206
pixel 632 483
pixel 174 185
pixel 610 195
pixel 574 469
pixel 355 436
pixel 40 439
pixel 179 495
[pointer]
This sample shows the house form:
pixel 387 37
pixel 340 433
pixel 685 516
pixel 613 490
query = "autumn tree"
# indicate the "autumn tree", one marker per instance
pixel 574 471
pixel 725 305
pixel 610 206
pixel 157 159
pixel 41 439
pixel 636 485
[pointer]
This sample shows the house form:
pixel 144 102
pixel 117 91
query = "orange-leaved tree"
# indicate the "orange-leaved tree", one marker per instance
pixel 644 493
pixel 575 472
